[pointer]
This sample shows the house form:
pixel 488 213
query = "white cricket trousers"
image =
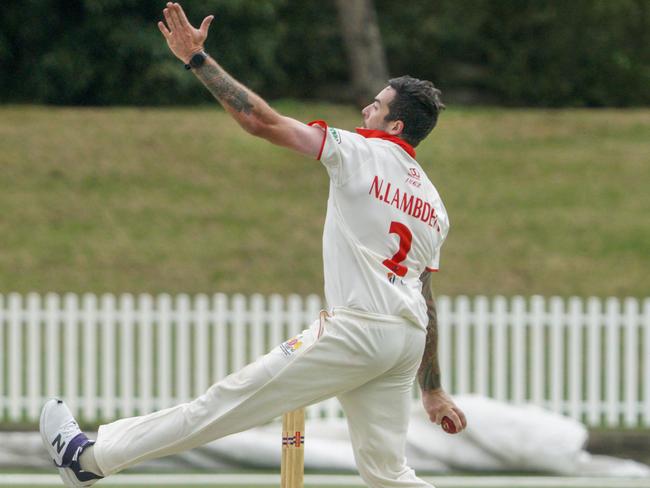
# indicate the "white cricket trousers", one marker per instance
pixel 368 361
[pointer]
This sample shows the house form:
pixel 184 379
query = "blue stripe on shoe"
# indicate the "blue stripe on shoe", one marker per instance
pixel 71 458
pixel 78 441
pixel 83 475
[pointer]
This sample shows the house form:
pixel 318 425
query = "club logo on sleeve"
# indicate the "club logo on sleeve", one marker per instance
pixel 292 345
pixel 413 178
pixel 335 134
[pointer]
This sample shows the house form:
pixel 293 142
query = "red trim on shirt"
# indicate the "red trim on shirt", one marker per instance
pixel 322 124
pixel 431 270
pixel 380 134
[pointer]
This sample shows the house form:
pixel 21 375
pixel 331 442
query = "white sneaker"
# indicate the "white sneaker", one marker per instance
pixel 64 442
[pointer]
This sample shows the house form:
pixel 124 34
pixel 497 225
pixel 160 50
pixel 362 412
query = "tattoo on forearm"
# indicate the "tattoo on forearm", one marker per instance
pixel 224 88
pixel 429 372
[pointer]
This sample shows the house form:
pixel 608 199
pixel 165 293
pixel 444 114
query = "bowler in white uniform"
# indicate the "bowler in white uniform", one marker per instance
pixel 384 229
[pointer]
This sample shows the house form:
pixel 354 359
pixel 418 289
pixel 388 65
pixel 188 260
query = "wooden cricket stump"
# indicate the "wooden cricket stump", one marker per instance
pixel 292 466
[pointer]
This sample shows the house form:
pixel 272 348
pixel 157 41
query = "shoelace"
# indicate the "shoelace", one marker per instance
pixel 69 429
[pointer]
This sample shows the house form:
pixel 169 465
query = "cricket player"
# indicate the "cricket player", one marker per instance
pixel 383 232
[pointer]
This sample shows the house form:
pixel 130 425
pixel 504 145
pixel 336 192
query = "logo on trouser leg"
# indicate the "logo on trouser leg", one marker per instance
pixel 292 345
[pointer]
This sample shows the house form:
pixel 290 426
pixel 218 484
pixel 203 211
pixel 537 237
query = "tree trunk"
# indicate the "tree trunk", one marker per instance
pixel 366 57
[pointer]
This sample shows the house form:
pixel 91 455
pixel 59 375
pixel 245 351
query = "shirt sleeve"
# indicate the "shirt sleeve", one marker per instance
pixel 434 264
pixel 342 152
pixel 443 225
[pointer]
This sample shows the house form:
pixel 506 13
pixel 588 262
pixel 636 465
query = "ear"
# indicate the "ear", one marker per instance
pixel 395 127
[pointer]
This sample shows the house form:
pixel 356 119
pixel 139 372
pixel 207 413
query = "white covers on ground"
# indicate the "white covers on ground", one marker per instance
pixel 499 437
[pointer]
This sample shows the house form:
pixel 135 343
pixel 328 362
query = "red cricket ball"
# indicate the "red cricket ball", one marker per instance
pixel 448 426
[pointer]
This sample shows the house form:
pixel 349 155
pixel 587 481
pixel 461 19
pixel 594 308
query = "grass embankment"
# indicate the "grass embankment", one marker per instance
pixel 182 200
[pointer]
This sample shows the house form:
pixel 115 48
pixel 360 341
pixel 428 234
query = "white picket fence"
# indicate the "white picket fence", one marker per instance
pixel 119 356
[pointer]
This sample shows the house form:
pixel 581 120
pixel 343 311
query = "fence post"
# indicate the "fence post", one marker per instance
pixel 463 359
pixel 107 320
pixel 612 360
pixel 557 354
pixel 519 326
pixel 89 370
pixel 33 355
pixel 15 348
pixel 630 318
pixel 145 339
pixel 444 340
pixel 220 345
pixel 238 332
pixel 594 363
pixel 52 351
pixel 538 341
pixel 646 361
pixel 481 344
pixel 500 318
pixel 575 357
pixel 164 380
pixel 276 306
pixel 294 317
pixel 183 323
pixel 71 351
pixel 127 318
pixel 257 323
pixel 201 345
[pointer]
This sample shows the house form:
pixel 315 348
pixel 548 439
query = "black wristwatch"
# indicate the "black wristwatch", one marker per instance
pixel 197 60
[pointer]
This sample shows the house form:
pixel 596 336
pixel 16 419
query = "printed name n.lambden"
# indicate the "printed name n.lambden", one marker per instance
pixel 404 201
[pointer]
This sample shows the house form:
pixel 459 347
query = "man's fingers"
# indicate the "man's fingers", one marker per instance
pixel 462 417
pixel 436 417
pixel 164 30
pixel 205 25
pixel 176 18
pixel 169 17
pixel 453 416
pixel 181 15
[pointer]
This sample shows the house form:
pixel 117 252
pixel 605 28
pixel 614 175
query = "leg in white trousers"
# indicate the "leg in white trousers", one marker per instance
pixel 352 351
pixel 378 416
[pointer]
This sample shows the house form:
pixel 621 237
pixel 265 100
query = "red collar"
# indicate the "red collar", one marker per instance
pixel 380 134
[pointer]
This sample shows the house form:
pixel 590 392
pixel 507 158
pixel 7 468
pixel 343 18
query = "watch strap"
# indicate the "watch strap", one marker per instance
pixel 197 60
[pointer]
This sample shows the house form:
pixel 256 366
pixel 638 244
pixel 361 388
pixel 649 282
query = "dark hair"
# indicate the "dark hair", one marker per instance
pixel 417 104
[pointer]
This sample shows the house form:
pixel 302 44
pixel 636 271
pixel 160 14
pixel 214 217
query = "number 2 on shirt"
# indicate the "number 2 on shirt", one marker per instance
pixel 405 238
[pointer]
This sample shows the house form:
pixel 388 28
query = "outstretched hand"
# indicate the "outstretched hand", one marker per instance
pixel 439 405
pixel 183 39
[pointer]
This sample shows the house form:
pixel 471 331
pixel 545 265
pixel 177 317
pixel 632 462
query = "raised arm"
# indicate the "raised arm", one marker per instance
pixel 435 400
pixel 250 111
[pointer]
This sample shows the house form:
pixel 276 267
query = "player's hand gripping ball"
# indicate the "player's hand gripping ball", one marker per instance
pixel 448 426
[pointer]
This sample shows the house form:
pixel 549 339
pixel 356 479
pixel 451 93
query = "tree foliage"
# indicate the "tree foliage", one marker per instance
pixel 529 52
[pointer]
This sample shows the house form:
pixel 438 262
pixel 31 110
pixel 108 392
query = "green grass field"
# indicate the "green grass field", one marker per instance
pixel 215 480
pixel 490 481
pixel 182 200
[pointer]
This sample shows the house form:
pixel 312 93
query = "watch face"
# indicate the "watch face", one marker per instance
pixel 197 60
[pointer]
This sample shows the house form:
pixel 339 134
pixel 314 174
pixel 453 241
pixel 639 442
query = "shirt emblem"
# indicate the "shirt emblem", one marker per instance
pixel 335 134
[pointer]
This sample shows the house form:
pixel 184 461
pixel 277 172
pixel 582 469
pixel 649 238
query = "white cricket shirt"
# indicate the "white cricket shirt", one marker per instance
pixel 385 224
